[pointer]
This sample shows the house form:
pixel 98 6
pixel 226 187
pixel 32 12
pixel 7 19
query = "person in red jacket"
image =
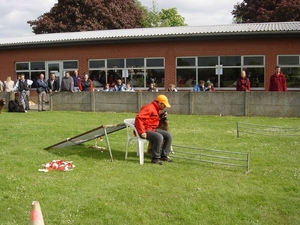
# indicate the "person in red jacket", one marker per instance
pixel 85 84
pixel 146 123
pixel 243 83
pixel 278 81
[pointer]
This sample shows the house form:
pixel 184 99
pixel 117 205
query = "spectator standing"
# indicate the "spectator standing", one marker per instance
pixel 152 88
pixel 243 83
pixel 278 81
pixel 9 85
pixel 42 90
pixel 119 86
pixel 86 84
pixel 200 86
pixel 76 79
pixel 22 86
pixel 146 123
pixel 53 83
pixel 172 88
pixel 67 83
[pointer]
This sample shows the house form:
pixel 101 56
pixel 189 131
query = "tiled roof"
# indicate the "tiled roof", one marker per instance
pixel 160 32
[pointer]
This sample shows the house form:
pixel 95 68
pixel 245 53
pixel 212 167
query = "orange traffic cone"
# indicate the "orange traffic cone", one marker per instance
pixel 36 214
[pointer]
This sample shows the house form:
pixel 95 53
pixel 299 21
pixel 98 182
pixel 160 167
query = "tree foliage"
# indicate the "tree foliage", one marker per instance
pixel 253 11
pixel 86 15
pixel 152 17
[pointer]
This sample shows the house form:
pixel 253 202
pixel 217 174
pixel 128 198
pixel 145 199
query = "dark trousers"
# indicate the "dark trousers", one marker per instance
pixel 162 141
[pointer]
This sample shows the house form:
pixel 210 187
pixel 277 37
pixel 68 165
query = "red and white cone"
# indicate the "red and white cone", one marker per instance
pixel 36 214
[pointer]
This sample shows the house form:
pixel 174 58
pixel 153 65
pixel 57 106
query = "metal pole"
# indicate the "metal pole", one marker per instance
pixel 108 145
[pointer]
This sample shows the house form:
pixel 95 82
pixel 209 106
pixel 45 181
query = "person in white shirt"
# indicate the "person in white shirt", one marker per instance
pixel 128 87
pixel 9 85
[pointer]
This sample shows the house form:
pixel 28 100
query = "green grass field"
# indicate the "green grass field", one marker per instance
pixel 99 191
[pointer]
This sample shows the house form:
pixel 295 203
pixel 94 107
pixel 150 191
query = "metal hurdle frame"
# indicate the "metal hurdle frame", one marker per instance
pixel 266 130
pixel 204 156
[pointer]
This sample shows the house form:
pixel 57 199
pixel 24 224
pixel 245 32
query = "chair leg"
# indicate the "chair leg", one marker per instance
pixel 127 146
pixel 141 152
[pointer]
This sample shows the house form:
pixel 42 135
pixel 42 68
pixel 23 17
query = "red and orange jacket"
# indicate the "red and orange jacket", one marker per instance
pixel 148 117
pixel 277 83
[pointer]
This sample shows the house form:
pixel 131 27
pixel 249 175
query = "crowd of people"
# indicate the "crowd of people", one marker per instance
pixel 77 83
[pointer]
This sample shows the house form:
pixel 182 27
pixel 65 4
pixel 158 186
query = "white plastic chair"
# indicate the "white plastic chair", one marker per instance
pixel 131 138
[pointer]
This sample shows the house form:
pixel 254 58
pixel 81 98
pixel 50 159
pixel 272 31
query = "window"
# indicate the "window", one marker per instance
pixel 96 64
pixel 134 63
pixel 22 66
pixel 37 65
pixel 207 61
pixel 186 62
pixel 115 63
pixel 32 70
pixel 131 70
pixel 290 67
pixel 155 62
pixel 222 71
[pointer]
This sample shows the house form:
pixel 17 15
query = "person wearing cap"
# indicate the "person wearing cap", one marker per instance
pixel 146 123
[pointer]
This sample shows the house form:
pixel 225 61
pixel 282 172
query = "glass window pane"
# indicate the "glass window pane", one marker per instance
pixel 230 60
pixel 253 60
pixel 292 75
pixel 186 62
pixel 156 76
pixel 208 75
pixel 113 76
pixel 96 64
pixel 98 77
pixel 137 77
pixel 115 63
pixel 186 77
pixel 70 64
pixel 229 77
pixel 256 77
pixel 208 61
pixel 37 65
pixel 155 62
pixel 134 63
pixel 288 60
pixel 22 66
pixel 34 76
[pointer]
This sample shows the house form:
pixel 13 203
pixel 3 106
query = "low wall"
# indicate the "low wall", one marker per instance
pixel 271 104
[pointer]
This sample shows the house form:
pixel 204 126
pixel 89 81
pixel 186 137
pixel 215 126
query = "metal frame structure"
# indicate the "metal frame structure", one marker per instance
pixel 103 130
pixel 222 157
pixel 266 130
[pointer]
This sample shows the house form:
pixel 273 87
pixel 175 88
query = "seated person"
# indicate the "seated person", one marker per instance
pixel 107 87
pixel 119 86
pixel 128 87
pixel 172 88
pixel 152 88
pixel 146 123
pixel 200 86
